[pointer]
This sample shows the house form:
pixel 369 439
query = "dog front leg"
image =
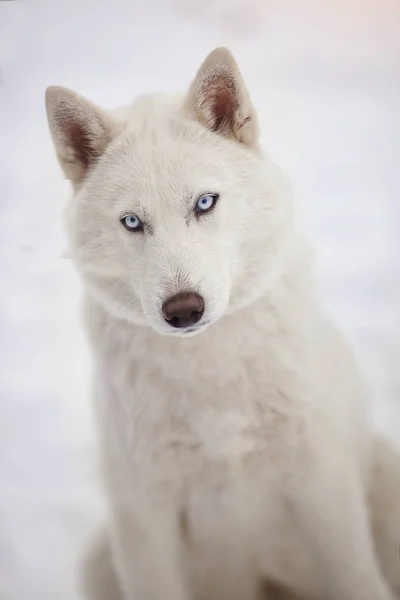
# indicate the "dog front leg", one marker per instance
pixel 333 520
pixel 146 553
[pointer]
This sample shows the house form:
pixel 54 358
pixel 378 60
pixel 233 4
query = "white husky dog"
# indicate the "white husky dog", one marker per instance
pixel 230 414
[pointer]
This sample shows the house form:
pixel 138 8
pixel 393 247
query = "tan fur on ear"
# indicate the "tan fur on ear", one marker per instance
pixel 218 98
pixel 80 130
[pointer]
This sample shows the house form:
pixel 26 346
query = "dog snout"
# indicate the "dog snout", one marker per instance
pixel 183 309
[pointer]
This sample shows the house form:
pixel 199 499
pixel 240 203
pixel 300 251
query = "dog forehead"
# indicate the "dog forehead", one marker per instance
pixel 161 162
pixel 171 150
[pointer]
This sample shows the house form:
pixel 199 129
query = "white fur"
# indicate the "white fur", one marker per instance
pixel 238 452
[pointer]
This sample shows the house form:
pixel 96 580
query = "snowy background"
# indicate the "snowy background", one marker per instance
pixel 325 75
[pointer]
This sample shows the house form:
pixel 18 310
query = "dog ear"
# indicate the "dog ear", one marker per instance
pixel 80 130
pixel 218 98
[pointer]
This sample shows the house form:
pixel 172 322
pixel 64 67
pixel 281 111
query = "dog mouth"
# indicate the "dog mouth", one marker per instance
pixel 189 331
pixel 195 329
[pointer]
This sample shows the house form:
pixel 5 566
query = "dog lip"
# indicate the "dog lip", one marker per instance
pixel 195 329
pixel 198 326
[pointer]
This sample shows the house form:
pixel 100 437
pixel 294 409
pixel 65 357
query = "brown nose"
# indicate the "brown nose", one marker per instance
pixel 184 309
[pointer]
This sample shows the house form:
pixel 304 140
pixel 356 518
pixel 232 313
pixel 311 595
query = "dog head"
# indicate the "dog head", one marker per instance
pixel 176 218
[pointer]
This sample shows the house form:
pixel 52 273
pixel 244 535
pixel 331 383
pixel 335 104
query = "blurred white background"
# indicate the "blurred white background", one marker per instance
pixel 325 76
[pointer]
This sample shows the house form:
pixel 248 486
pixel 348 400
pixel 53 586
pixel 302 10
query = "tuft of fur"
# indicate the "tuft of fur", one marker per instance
pixel 80 130
pixel 235 452
pixel 219 99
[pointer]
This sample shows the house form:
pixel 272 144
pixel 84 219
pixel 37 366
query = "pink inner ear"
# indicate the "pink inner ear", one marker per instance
pixel 79 140
pixel 222 94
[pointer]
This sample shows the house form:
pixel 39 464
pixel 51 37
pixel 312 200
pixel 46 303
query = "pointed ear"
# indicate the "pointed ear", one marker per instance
pixel 218 98
pixel 80 130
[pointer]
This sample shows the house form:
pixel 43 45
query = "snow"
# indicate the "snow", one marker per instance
pixel 325 76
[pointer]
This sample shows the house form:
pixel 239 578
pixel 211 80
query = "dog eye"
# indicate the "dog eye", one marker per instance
pixel 205 203
pixel 132 223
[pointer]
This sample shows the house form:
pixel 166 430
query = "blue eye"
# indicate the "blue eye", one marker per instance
pixel 206 202
pixel 132 223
